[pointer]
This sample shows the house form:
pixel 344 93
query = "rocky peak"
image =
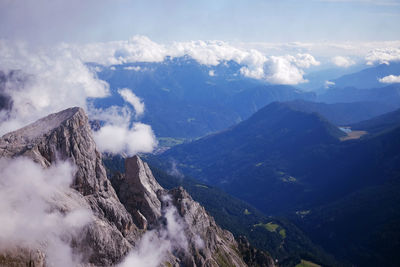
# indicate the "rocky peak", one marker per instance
pixel 66 135
pixel 124 210
pixel 63 135
pixel 137 189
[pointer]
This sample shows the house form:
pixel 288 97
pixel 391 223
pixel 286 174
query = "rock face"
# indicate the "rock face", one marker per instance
pixel 67 136
pixel 137 190
pixel 207 243
pixel 122 215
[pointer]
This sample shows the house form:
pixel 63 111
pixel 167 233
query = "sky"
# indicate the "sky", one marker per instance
pixel 47 21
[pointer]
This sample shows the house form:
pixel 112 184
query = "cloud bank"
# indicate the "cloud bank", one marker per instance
pixel 285 69
pixel 283 63
pixel 383 56
pixel 27 217
pixel 37 82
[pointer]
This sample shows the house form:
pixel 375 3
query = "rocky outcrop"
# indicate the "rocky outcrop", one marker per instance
pixel 123 211
pixel 67 136
pixel 252 256
pixel 207 243
pixel 137 190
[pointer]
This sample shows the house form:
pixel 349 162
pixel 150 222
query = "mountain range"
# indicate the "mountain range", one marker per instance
pixel 185 99
pixel 369 77
pixel 288 160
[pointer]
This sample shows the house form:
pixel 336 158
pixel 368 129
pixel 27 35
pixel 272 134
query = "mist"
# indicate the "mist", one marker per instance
pixel 158 245
pixel 37 210
pixel 38 82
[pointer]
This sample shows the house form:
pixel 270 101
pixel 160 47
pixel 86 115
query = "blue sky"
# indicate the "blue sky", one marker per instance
pixel 181 20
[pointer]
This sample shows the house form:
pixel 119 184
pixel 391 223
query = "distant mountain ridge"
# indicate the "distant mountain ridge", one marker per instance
pixel 389 95
pixel 368 78
pixel 378 124
pixel 342 114
pixel 186 99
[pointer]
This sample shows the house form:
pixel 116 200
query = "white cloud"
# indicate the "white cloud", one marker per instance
pixel 355 50
pixel 383 56
pixel 117 136
pixel 211 73
pixel 288 69
pixel 390 79
pixel 29 215
pixel 329 84
pixel 115 114
pixel 342 61
pixel 49 81
pixel 136 49
pixel 256 72
pixel 134 68
pixel 132 99
pixel 282 71
pixel 214 52
pixel 55 79
pixel 303 60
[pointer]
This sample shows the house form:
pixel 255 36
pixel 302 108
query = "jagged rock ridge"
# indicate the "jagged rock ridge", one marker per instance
pixel 116 227
pixel 209 245
pixel 67 136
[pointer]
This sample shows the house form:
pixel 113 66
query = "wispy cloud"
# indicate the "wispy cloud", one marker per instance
pixel 38 210
pixel 132 99
pixel 329 84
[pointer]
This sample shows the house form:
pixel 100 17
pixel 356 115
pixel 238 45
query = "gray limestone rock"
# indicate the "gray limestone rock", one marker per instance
pixel 208 244
pixel 138 192
pixel 66 135
pixel 122 211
